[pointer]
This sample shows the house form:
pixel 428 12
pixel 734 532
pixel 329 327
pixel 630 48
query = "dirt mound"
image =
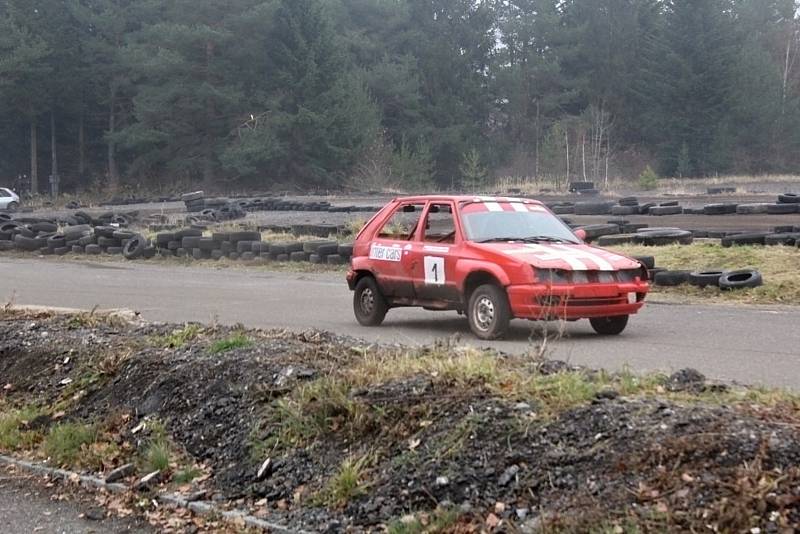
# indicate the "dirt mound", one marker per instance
pixel 323 433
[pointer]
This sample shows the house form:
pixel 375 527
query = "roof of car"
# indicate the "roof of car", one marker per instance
pixel 465 198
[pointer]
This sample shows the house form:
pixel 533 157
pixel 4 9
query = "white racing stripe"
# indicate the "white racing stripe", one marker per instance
pixel 493 206
pixel 601 262
pixel 518 206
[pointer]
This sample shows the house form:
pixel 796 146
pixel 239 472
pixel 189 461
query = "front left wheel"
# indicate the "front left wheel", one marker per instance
pixel 609 326
pixel 368 303
pixel 12 206
pixel 489 312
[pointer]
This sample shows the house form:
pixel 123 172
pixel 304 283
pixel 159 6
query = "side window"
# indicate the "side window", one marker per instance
pixel 4 192
pixel 403 223
pixel 440 226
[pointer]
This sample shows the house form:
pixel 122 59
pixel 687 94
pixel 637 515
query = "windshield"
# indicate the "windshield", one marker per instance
pixel 486 222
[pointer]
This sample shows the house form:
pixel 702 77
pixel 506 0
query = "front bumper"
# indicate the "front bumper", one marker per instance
pixel 569 302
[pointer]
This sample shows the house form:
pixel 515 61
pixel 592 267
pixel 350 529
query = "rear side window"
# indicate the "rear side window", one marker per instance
pixel 403 223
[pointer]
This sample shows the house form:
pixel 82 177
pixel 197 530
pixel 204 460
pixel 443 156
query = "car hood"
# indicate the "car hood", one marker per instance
pixel 569 257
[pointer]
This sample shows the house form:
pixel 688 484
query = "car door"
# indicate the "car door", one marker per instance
pixel 390 250
pixel 434 254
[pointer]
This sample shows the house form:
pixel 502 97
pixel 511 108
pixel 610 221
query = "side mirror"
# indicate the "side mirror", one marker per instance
pixel 581 234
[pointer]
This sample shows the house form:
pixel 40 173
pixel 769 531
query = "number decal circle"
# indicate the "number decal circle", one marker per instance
pixel 434 270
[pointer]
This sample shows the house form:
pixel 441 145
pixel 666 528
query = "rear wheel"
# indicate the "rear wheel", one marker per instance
pixel 489 312
pixel 609 326
pixel 368 303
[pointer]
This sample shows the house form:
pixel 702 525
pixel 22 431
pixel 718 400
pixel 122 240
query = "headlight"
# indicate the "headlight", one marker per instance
pixel 551 276
pixel 628 275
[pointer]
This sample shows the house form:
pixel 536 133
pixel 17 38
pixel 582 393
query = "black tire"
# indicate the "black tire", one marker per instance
pixel 593 208
pixel 716 209
pixel 93 250
pixel 609 326
pixel 612 240
pixel 580 186
pixel 625 210
pixel 489 312
pixel 134 248
pixel 207 244
pixel 649 262
pixel 709 277
pixel 789 198
pixel 244 246
pixel 298 256
pixel 114 250
pixel 29 243
pixel 782 209
pixel 194 196
pixel 315 259
pixel 334 259
pixel 369 305
pixel 346 250
pixel 745 278
pixel 190 242
pixel 629 202
pixel 665 210
pixel 752 209
pixel 108 242
pixel 593 231
pixel 245 236
pixel 755 238
pixel 327 250
pixel 12 206
pixel 787 239
pixel 671 278
pixel 664 237
pixel 61 251
pixel 56 241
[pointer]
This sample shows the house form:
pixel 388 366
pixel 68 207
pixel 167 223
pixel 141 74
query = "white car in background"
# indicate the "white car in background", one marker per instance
pixel 9 200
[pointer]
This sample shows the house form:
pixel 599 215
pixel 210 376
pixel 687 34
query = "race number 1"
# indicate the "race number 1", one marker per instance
pixel 434 270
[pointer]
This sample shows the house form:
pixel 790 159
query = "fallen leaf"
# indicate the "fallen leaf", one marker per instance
pixel 414 443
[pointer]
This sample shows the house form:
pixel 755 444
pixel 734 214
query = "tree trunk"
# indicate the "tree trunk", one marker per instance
pixel 113 171
pixel 34 159
pixel 81 147
pixel 208 155
pixel 566 144
pixel 53 156
pixel 583 154
pixel 538 134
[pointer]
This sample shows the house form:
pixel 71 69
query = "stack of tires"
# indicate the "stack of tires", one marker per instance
pixel 722 279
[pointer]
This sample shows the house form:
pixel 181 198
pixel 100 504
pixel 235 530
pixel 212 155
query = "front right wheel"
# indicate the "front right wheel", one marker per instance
pixel 609 326
pixel 368 303
pixel 489 312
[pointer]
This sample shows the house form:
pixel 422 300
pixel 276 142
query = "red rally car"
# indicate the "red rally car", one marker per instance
pixel 493 259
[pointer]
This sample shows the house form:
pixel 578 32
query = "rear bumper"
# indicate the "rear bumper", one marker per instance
pixel 549 302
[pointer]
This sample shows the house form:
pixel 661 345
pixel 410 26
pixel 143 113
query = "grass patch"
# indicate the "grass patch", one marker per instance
pixel 65 442
pixel 441 520
pixel 157 455
pixel 13 433
pixel 777 264
pixel 186 475
pixel 181 337
pixel 236 341
pixel 346 484
pixel 319 408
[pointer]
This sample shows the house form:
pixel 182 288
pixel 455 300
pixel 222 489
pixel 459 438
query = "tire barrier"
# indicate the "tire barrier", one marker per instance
pixel 43 236
pixel 216 209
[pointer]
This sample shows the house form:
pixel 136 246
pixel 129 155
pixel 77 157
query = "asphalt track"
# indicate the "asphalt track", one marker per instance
pixel 746 344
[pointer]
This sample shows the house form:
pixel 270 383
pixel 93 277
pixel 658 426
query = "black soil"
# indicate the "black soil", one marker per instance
pixel 616 461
